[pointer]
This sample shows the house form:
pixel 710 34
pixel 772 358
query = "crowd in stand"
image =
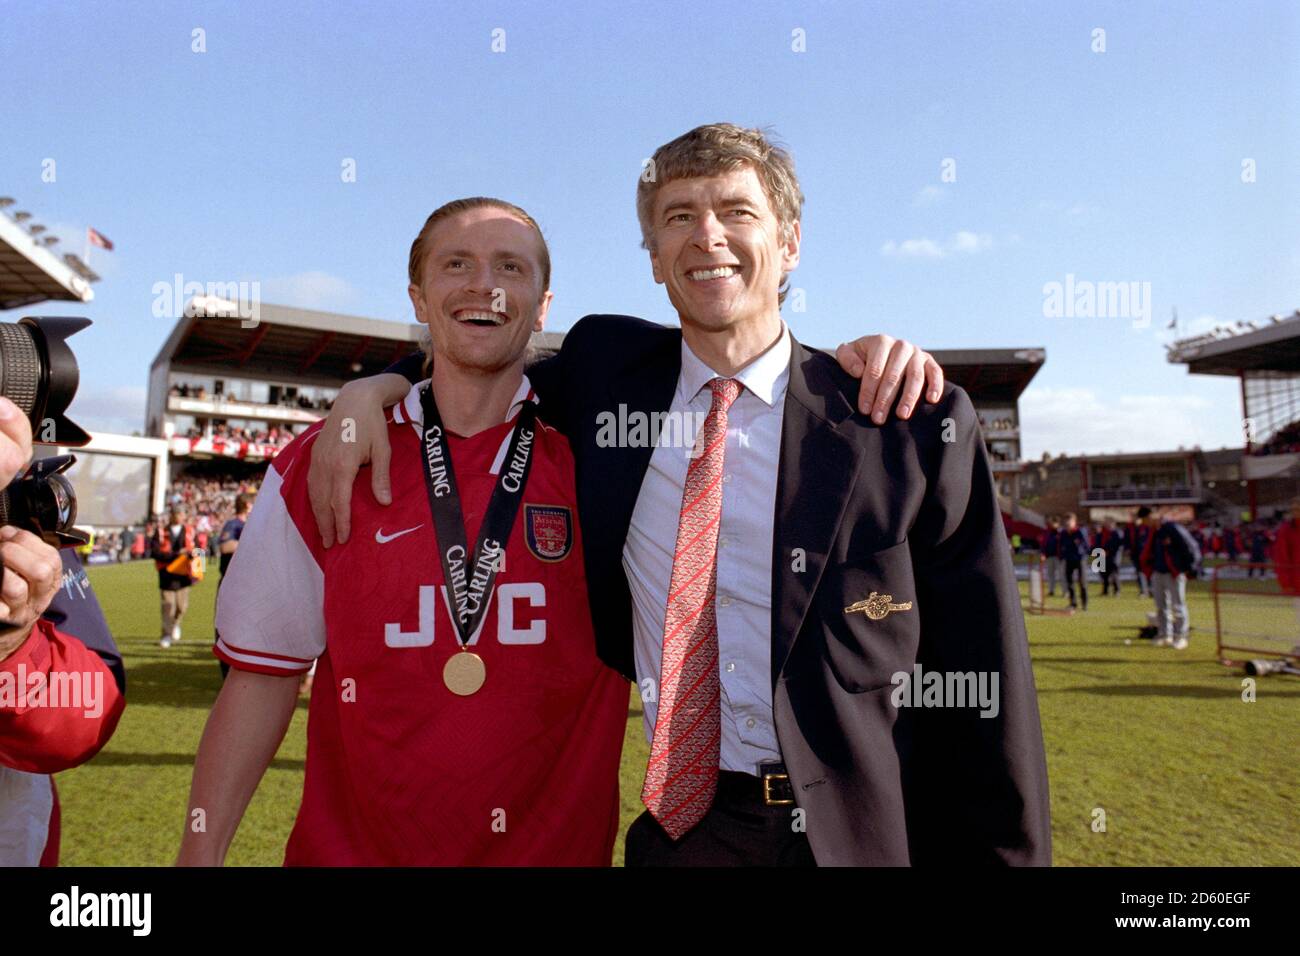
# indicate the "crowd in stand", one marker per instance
pixel 276 435
pixel 1285 441
pixel 207 504
pixel 996 424
pixel 288 401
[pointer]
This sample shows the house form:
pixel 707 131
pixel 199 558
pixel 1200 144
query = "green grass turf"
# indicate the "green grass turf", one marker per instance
pixel 1186 772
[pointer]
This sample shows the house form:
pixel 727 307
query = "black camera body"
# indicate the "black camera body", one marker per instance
pixel 42 501
pixel 39 374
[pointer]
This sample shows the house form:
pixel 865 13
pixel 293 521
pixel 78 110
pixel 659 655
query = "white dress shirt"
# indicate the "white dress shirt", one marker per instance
pixel 744 565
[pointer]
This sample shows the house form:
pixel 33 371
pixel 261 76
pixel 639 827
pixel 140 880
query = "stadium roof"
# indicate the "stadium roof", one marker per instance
pixel 284 343
pixel 1272 348
pixel 991 374
pixel 31 273
pixel 289 343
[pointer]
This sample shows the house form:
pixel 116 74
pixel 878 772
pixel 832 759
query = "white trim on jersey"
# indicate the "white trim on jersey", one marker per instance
pixel 271 609
pixel 410 410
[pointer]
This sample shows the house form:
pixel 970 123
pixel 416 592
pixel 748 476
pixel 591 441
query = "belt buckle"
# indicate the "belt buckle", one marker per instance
pixel 768 777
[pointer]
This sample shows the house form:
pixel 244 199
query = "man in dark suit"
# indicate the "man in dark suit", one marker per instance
pixel 786 587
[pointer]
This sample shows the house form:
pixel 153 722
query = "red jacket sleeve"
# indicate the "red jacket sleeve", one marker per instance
pixel 1147 561
pixel 62 717
pixel 1284 558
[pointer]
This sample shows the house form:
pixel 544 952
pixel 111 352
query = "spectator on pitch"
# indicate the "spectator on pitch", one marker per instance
pixel 172 550
pixel 1232 542
pixel 227 542
pixel 1052 552
pixel 1075 548
pixel 1138 532
pixel 1171 556
pixel 1111 540
pixel 140 543
pixel 1259 546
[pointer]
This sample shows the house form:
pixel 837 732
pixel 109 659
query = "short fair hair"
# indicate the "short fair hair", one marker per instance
pixel 716 149
pixel 420 249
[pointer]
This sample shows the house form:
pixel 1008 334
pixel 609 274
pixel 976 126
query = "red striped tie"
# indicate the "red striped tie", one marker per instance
pixel 682 777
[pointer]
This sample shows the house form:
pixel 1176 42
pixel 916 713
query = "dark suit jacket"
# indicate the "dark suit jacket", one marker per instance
pixel 906 509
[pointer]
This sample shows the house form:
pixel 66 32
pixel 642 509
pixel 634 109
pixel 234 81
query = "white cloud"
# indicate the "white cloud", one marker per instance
pixel 929 196
pixel 960 243
pixel 971 242
pixel 912 249
pixel 1076 421
pixel 1074 210
pixel 118 409
pixel 310 290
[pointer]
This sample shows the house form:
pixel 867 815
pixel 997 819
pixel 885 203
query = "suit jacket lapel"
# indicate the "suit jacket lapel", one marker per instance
pixel 645 386
pixel 816 474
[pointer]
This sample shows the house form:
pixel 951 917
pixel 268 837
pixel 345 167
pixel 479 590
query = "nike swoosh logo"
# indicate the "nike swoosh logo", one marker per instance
pixel 381 538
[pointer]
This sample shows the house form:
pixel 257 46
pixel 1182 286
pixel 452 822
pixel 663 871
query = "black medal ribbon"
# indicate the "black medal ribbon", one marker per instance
pixel 469 579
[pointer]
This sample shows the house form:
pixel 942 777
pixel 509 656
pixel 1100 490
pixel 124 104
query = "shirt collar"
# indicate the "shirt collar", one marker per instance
pixel 410 410
pixel 766 376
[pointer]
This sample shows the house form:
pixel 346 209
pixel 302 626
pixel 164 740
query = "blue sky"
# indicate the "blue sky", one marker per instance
pixel 1115 166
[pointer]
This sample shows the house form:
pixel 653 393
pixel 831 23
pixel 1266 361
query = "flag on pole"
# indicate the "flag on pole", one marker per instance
pixel 96 239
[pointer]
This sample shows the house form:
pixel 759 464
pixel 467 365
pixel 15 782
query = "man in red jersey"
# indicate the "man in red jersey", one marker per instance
pixel 487 735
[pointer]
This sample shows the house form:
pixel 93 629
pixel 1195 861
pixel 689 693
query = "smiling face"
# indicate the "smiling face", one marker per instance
pixel 718 248
pixel 481 290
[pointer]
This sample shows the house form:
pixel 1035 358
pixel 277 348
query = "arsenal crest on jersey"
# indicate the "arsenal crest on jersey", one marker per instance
pixel 548 530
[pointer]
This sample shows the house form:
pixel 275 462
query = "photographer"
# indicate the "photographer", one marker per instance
pixel 60 696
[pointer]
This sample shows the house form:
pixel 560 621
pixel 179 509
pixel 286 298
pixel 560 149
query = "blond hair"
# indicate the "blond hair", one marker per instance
pixel 419 249
pixel 713 150
pixel 420 246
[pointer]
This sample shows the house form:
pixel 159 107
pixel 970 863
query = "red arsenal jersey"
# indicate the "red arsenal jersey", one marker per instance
pixel 401 771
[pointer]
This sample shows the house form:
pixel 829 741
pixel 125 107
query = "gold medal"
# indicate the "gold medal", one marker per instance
pixel 464 673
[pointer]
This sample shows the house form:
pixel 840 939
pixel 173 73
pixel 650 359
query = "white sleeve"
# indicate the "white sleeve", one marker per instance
pixel 270 613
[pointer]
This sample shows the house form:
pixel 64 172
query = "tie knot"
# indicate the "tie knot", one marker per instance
pixel 725 391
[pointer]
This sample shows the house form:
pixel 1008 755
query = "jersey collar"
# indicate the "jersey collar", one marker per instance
pixel 409 409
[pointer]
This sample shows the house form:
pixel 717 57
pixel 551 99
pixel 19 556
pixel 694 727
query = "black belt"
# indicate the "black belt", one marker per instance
pixel 770 788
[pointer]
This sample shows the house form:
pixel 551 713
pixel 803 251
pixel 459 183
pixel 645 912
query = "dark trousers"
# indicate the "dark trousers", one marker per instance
pixel 1071 571
pixel 1109 577
pixel 735 832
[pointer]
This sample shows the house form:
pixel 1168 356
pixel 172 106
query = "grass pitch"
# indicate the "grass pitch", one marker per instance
pixel 1161 741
